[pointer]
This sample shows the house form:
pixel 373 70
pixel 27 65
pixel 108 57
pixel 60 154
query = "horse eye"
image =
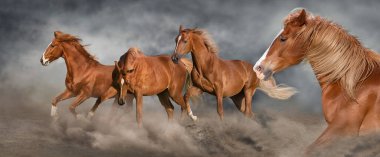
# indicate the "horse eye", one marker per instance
pixel 51 45
pixel 185 41
pixel 129 71
pixel 282 38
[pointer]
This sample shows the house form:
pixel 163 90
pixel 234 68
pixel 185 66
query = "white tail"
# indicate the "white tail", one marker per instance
pixel 280 91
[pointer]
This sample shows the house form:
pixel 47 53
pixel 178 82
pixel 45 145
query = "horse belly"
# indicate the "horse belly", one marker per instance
pixel 154 88
pixel 232 87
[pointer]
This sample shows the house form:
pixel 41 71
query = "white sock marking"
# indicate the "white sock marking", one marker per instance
pixel 53 112
pixel 90 114
pixel 194 118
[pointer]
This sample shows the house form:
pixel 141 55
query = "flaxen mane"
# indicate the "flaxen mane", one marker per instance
pixel 209 42
pixel 335 55
pixel 76 42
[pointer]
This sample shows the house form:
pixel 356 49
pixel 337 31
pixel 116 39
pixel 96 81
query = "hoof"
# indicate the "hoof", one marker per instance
pixel 90 115
pixel 54 118
pixel 80 117
pixel 194 118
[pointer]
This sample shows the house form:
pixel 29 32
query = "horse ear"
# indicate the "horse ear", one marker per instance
pixel 180 28
pixel 57 34
pixel 117 65
pixel 301 19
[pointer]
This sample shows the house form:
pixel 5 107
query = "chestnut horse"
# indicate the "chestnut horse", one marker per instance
pixel 222 78
pixel 85 77
pixel 153 75
pixel 348 73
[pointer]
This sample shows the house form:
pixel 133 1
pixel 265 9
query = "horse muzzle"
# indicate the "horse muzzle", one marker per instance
pixel 120 101
pixel 262 72
pixel 44 62
pixel 175 58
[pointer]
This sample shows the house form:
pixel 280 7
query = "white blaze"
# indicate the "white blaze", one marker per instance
pixel 44 60
pixel 121 87
pixel 179 39
pixel 266 52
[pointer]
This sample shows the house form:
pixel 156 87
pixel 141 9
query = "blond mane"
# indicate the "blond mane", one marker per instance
pixel 75 41
pixel 209 42
pixel 335 55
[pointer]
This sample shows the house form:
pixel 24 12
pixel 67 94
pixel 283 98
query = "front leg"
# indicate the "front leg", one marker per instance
pixel 63 96
pixel 78 100
pixel 219 98
pixel 139 105
pixel 347 122
pixel 129 102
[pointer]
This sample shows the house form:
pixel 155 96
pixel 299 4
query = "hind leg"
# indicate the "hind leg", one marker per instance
pixel 109 94
pixel 63 96
pixel 165 101
pixel 176 94
pixel 191 92
pixel 239 101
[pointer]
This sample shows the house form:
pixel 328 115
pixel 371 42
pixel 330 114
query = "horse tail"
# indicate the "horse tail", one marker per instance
pixel 280 91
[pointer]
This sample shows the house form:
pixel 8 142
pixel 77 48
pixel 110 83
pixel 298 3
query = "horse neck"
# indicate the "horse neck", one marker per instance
pixel 201 56
pixel 341 59
pixel 76 62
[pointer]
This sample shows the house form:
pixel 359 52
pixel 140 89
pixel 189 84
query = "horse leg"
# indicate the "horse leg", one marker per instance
pixel 347 122
pixel 165 101
pixel 219 98
pixel 63 96
pixel 129 102
pixel 78 100
pixel 175 94
pixel 139 105
pixel 109 94
pixel 239 101
pixel 191 92
pixel 248 93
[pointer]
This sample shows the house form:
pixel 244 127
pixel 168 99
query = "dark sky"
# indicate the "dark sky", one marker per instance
pixel 243 29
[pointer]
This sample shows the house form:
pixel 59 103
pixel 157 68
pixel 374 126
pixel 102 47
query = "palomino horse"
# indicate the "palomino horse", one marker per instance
pixel 347 72
pixel 85 77
pixel 153 75
pixel 222 78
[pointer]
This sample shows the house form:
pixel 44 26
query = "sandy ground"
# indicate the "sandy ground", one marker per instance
pixel 25 131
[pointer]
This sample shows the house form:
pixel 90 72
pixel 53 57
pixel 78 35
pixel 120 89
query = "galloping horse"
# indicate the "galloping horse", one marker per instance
pixel 153 75
pixel 222 78
pixel 85 77
pixel 348 73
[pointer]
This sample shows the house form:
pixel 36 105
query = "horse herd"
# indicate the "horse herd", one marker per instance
pixel 346 71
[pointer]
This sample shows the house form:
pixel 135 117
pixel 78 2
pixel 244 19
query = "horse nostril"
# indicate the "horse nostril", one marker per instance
pixel 174 59
pixel 41 60
pixel 259 68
